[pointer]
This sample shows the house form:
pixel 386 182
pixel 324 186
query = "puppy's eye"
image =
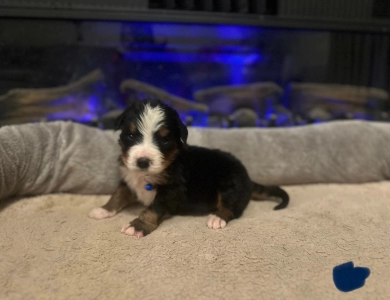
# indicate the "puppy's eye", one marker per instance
pixel 130 136
pixel 165 141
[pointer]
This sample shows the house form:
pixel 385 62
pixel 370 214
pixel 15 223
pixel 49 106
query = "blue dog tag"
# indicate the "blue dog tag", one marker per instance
pixel 149 187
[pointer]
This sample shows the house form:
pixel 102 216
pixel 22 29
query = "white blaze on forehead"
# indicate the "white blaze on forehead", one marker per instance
pixel 150 121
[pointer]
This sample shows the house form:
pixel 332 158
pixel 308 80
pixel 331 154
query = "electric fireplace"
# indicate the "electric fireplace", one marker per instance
pixel 219 63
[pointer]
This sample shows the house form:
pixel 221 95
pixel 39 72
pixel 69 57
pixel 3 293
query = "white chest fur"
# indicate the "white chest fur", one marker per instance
pixel 135 180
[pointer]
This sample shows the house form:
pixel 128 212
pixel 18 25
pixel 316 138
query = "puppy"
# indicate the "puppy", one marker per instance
pixel 169 177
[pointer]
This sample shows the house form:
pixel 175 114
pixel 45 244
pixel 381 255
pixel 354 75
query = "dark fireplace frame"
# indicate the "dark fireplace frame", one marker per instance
pixel 373 25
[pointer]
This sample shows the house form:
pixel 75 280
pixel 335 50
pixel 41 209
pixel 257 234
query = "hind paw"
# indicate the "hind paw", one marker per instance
pixel 215 222
pixel 101 213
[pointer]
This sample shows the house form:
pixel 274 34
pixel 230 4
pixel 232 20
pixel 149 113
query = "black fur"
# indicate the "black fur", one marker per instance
pixel 197 180
pixel 135 109
pixel 200 174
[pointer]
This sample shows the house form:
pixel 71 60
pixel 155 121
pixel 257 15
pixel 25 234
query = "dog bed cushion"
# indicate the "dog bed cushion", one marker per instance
pixel 59 157
pixel 50 249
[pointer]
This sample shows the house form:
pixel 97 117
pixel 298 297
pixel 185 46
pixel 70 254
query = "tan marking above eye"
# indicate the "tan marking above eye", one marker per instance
pixel 163 131
pixel 133 128
pixel 169 157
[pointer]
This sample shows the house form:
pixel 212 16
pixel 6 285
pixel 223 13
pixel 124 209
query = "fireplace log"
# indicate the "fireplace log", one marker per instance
pixel 226 99
pixel 334 101
pixel 346 93
pixel 26 105
pixel 129 86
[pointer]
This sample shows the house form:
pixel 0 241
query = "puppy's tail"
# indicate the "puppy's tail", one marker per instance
pixel 261 192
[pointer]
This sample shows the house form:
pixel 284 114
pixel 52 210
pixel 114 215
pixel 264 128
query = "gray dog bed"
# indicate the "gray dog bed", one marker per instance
pixel 64 157
pixel 50 249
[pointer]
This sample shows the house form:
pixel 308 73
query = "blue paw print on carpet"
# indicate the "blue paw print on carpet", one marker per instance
pixel 347 278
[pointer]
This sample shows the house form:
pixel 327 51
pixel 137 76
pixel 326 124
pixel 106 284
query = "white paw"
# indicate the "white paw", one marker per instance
pixel 130 230
pixel 215 222
pixel 101 213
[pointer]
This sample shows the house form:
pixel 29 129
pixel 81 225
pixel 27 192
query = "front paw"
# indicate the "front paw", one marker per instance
pixel 130 230
pixel 137 228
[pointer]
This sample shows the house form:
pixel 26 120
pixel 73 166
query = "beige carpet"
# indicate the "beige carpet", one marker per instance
pixel 49 249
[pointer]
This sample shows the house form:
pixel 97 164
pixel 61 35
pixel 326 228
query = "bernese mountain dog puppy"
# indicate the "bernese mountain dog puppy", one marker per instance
pixel 160 170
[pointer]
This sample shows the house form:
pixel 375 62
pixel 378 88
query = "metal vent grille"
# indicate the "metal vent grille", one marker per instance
pixel 231 6
pixel 337 9
pixel 78 4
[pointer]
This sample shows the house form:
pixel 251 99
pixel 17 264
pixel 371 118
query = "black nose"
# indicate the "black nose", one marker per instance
pixel 143 163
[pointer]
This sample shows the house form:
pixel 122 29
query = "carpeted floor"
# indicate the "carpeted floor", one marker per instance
pixel 49 249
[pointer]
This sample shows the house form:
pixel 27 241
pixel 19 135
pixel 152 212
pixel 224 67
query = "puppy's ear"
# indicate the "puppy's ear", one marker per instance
pixel 183 131
pixel 119 120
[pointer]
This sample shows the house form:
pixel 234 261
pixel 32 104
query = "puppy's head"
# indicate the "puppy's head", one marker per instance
pixel 151 136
